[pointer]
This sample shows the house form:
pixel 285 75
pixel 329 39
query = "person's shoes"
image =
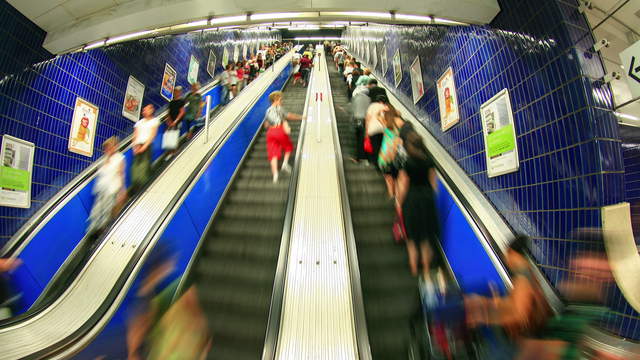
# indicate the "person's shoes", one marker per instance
pixel 286 168
pixel 275 178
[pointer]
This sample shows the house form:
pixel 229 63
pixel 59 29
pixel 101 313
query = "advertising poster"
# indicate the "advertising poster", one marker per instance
pixel 16 172
pixel 211 64
pixel 383 59
pixel 367 52
pixel 168 82
pixel 501 150
pixel 448 100
pixel 397 68
pixel 236 53
pixel 417 85
pixel 374 55
pixel 133 99
pixel 225 57
pixel 194 66
pixel 83 128
pixel 244 51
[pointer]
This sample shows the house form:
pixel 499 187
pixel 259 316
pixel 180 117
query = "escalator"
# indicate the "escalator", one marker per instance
pixel 237 263
pixel 390 293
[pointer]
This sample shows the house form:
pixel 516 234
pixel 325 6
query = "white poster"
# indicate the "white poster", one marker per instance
pixel 236 53
pixel 211 64
pixel 244 51
pixel 383 59
pixel 16 172
pixel 83 128
pixel 374 56
pixel 168 82
pixel 133 99
pixel 417 85
pixel 448 100
pixel 501 150
pixel 194 67
pixel 397 68
pixel 225 58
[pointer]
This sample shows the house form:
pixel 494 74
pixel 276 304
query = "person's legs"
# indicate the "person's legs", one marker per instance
pixel 412 252
pixel 223 95
pixel 376 144
pixel 426 253
pixel 273 151
pixel 359 130
pixel 287 147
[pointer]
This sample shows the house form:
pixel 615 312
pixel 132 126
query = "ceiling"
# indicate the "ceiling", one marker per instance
pixel 618 21
pixel 73 23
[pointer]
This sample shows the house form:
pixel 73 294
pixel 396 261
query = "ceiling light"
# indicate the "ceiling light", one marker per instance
pixel 128 36
pixel 357 14
pixel 316 38
pixel 228 19
pixel 418 18
pixel 191 24
pixel 290 15
pixel 94 45
pixel 627 116
pixel 448 22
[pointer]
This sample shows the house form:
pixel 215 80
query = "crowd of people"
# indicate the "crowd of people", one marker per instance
pixel 387 142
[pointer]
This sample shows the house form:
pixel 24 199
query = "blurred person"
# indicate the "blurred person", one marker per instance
pixel 176 109
pixel 352 80
pixel 375 125
pixel 240 75
pixel 7 296
pixel 225 81
pixel 305 68
pixel 275 121
pixel 297 75
pixel 339 60
pixel 144 132
pixel 360 103
pixel 260 61
pixel 348 69
pixel 364 78
pixel 388 149
pixel 253 69
pixel 109 189
pixel 194 109
pixel 375 90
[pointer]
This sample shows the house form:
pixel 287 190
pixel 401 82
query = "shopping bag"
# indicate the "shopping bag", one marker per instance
pixel 170 139
pixel 368 147
pixel 399 231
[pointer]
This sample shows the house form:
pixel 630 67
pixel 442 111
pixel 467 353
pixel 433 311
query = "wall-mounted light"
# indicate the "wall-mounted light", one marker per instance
pixel 95 45
pixel 228 19
pixel 198 23
pixel 128 36
pixel 357 14
pixel 285 15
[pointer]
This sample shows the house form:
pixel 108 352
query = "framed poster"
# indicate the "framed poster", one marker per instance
pixel 448 100
pixel 501 150
pixel 133 99
pixel 236 53
pixel 417 85
pixel 16 172
pixel 383 59
pixel 366 52
pixel 374 56
pixel 211 64
pixel 168 82
pixel 194 66
pixel 397 68
pixel 83 128
pixel 225 57
pixel 244 51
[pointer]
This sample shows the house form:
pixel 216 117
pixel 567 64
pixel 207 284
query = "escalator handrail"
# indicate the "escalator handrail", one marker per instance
pixel 277 294
pixel 359 317
pixel 124 282
pixel 37 221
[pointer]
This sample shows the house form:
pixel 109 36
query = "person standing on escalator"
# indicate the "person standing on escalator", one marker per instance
pixel 144 132
pixel 278 130
pixel 305 68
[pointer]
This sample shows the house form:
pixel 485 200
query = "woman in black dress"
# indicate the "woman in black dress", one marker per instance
pixel 416 198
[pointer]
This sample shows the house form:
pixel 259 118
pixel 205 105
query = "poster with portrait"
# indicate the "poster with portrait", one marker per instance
pixel 417 85
pixel 16 172
pixel 83 128
pixel 397 68
pixel 194 67
pixel 501 150
pixel 211 64
pixel 383 59
pixel 168 82
pixel 225 58
pixel 448 100
pixel 133 99
pixel 236 53
pixel 244 51
pixel 374 55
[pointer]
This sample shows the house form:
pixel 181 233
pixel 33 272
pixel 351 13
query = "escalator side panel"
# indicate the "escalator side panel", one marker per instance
pixel 186 228
pixel 55 241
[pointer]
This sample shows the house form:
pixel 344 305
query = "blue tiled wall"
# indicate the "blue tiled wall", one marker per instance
pixel 570 151
pixel 38 91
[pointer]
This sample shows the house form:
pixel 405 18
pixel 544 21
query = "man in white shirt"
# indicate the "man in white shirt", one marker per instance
pixel 144 132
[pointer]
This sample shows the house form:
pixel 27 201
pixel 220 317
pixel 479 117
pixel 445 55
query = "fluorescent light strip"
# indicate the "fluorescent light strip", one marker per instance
pixel 627 116
pixel 190 24
pixel 408 17
pixel 128 36
pixel 94 45
pixel 357 14
pixel 228 19
pixel 312 38
pixel 275 16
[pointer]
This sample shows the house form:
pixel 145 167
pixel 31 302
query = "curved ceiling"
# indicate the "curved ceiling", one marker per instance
pixel 73 23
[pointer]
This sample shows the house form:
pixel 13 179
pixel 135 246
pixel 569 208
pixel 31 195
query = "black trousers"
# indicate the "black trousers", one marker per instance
pixel 376 143
pixel 359 132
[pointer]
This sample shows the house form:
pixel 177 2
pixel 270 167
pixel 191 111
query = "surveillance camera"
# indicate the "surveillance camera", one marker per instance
pixel 584 6
pixel 614 75
pixel 603 43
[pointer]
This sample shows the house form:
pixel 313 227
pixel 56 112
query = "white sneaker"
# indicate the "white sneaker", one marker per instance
pixel 275 178
pixel 286 168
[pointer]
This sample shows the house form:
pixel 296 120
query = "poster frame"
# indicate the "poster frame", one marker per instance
pixel 397 72
pixel 133 85
pixel 192 61
pixel 384 61
pixel 72 146
pixel 446 125
pixel 168 69
pixel 414 81
pixel 514 159
pixel 25 201
pixel 225 58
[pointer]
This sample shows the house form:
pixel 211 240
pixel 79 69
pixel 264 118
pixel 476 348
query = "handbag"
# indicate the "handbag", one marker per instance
pixel 170 139
pixel 368 147
pixel 399 231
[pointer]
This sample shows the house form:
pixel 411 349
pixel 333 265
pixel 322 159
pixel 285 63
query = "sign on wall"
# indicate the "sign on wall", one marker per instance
pixel 168 82
pixel 374 56
pixel 133 99
pixel 211 64
pixel 417 85
pixel 631 62
pixel 194 66
pixel 383 59
pixel 367 51
pixel 83 128
pixel 16 172
pixel 236 53
pixel 448 100
pixel 501 150
pixel 225 57
pixel 397 68
pixel 244 51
